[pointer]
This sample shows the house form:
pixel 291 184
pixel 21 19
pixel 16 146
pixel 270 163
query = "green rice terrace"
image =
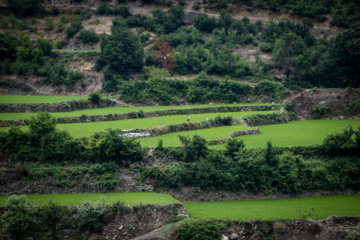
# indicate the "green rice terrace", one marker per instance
pixel 248 148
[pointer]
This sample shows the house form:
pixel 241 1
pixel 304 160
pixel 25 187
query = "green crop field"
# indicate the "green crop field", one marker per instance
pixel 290 208
pixel 71 199
pixel 108 110
pixel 172 139
pixel 88 129
pixel 296 133
pixel 28 99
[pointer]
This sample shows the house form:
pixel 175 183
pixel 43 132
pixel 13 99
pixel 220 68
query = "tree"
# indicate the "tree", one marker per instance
pixel 8 46
pixel 19 217
pixel 45 46
pixel 95 97
pixel 42 124
pixel 165 56
pixel 286 49
pixel 122 49
pixel 194 148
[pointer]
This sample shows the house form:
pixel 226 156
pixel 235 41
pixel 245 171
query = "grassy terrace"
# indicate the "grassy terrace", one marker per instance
pixel 108 110
pixel 88 129
pixel 172 139
pixel 29 99
pixel 289 208
pixel 296 133
pixel 74 199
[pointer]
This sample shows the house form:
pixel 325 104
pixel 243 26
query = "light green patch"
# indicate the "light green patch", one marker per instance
pixel 74 199
pixel 29 99
pixel 290 208
pixel 88 129
pixel 172 139
pixel 105 111
pixel 296 133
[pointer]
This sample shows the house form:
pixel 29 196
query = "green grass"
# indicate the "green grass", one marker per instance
pixel 296 133
pixel 172 139
pixel 290 208
pixel 74 199
pixel 100 111
pixel 88 129
pixel 28 99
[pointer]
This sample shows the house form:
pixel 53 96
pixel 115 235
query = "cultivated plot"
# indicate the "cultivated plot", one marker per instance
pixel 289 208
pixel 29 99
pixel 88 129
pixel 71 199
pixel 295 133
pixel 115 110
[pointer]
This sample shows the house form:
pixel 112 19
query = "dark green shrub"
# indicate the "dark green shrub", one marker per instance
pixel 20 216
pixel 266 47
pixel 233 146
pixel 321 111
pixel 95 97
pixel 194 148
pixel 75 27
pixel 88 37
pixel 198 230
pixel 91 216
pixel 45 46
pixel 118 207
pixel 100 64
pixel 51 216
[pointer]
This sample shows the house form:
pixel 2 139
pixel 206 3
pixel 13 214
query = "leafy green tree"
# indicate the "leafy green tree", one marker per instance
pixel 8 46
pixel 88 37
pixel 19 218
pixel 91 216
pixel 233 146
pixel 122 49
pixel 194 148
pixel 51 216
pixel 344 68
pixel 26 7
pixel 42 124
pixel 45 46
pixel 112 146
pixel 286 49
pixel 95 97
pixel 205 23
pixel 26 50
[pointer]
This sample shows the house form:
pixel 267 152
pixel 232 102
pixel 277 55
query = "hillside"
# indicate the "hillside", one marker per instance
pixel 179 119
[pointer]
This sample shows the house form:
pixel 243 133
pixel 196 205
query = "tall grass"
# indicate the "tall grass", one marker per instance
pixel 71 199
pixel 290 208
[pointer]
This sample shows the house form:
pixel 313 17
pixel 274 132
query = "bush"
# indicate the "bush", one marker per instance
pixel 88 37
pixel 91 216
pixel 198 229
pixel 100 64
pixel 45 46
pixel 51 216
pixel 75 27
pixel 20 216
pixel 95 97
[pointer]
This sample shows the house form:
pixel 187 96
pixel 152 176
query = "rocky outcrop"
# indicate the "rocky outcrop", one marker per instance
pixel 336 100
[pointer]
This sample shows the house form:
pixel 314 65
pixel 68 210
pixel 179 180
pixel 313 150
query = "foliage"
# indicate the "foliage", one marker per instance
pixel 233 146
pixel 122 49
pixel 91 216
pixel 20 216
pixel 320 111
pixel 274 91
pixel 75 27
pixel 194 148
pixel 45 46
pixel 111 146
pixel 51 216
pixel 95 97
pixel 199 230
pixel 8 45
pixel 88 37
pixel 26 7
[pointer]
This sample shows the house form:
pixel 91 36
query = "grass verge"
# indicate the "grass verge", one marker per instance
pixel 289 208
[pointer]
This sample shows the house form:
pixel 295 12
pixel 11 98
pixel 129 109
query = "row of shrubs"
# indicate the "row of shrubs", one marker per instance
pixel 21 217
pixel 332 166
